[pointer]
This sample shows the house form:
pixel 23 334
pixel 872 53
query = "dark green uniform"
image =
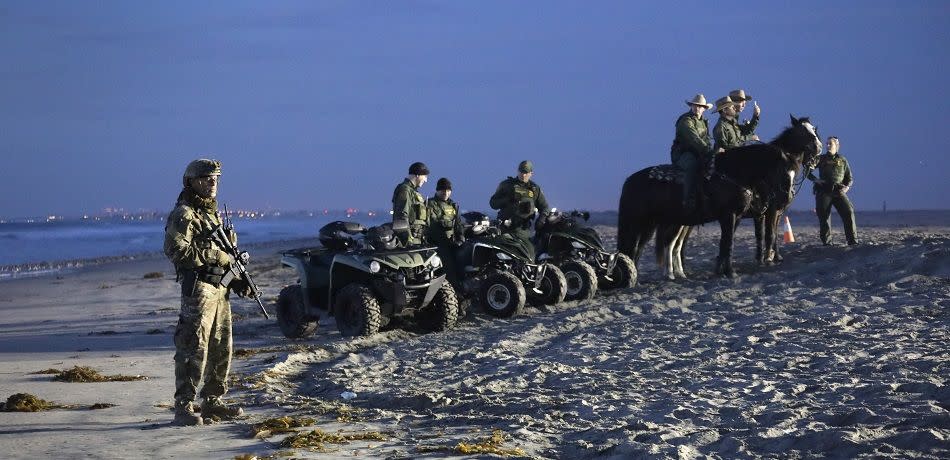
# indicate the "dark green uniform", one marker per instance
pixel 835 172
pixel 409 205
pixel 203 336
pixel 691 151
pixel 727 134
pixel 445 232
pixel 747 128
pixel 517 200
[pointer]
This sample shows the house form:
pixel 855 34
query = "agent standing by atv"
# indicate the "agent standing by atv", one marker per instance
pixel 203 336
pixel 445 227
pixel 517 200
pixel 410 206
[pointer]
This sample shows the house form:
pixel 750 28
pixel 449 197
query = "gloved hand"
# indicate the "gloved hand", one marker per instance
pixel 242 288
pixel 244 257
pixel 844 189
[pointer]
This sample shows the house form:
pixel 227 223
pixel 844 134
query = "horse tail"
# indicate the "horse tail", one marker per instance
pixel 634 226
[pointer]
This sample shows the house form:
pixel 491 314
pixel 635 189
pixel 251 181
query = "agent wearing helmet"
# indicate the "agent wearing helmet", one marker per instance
pixel 203 335
pixel 518 201
pixel 410 206
pixel 445 226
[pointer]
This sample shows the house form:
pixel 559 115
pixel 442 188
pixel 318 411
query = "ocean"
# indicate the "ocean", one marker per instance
pixel 42 244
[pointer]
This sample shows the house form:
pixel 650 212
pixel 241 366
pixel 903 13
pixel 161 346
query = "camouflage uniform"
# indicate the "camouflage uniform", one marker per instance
pixel 517 201
pixel 409 205
pixel 690 151
pixel 445 231
pixel 203 336
pixel 835 172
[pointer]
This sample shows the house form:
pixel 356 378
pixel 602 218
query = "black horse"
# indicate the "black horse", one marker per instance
pixel 650 199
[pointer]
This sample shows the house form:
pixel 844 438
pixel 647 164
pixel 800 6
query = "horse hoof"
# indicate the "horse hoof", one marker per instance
pixel 671 277
pixel 681 275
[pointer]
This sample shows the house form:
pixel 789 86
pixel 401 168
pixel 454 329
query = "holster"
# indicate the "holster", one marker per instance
pixel 215 276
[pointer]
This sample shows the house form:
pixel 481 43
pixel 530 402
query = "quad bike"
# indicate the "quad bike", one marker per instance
pixel 565 240
pixel 499 270
pixel 363 278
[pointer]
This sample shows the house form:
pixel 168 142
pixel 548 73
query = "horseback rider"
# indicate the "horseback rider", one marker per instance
pixel 691 149
pixel 409 205
pixel 726 133
pixel 518 200
pixel 747 128
pixel 830 189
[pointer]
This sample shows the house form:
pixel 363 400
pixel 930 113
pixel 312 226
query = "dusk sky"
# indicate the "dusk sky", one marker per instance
pixel 324 104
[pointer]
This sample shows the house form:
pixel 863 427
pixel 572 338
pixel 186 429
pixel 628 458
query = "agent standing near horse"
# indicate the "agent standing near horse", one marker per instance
pixel 518 201
pixel 830 189
pixel 691 150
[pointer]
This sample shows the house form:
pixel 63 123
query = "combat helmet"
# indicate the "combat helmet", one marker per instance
pixel 200 168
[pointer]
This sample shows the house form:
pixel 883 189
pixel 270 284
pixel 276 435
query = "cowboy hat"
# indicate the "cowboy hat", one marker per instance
pixel 699 100
pixel 739 95
pixel 724 102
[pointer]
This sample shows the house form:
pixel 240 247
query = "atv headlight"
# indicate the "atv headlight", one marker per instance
pixel 435 261
pixel 374 267
pixel 578 245
pixel 502 256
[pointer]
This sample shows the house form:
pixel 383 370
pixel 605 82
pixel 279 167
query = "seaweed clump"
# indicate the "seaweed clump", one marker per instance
pixel 486 445
pixel 153 275
pixel 317 439
pixel 47 371
pixel 82 374
pixel 278 425
pixel 25 402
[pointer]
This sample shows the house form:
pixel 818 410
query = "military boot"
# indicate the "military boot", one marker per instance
pixel 214 407
pixel 185 414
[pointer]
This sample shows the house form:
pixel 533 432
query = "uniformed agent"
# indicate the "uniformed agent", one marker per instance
pixel 518 201
pixel 691 148
pixel 831 188
pixel 445 229
pixel 746 128
pixel 726 134
pixel 203 336
pixel 409 205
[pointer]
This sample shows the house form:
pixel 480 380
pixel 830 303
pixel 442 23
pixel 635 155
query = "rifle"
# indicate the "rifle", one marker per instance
pixel 239 259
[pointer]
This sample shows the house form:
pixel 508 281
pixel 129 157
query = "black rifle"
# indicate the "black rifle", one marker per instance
pixel 238 268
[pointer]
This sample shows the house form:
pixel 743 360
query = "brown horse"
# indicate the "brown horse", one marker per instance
pixel 649 199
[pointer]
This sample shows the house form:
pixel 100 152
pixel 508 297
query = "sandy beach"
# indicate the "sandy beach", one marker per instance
pixel 837 352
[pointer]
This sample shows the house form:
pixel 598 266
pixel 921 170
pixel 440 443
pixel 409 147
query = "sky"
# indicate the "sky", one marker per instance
pixel 324 104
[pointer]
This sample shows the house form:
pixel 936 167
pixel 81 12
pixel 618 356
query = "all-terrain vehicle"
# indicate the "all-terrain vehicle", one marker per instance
pixel 566 240
pixel 363 277
pixel 500 272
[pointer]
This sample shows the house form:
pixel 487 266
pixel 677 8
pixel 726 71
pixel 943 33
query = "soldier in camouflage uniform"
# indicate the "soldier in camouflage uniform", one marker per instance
pixel 746 128
pixel 691 150
pixel 445 227
pixel 203 336
pixel 410 206
pixel 518 200
pixel 830 189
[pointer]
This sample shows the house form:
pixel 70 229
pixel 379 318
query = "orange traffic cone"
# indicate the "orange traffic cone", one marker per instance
pixel 788 236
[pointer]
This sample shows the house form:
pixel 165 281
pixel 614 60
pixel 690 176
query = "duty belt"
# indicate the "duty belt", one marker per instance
pixel 210 275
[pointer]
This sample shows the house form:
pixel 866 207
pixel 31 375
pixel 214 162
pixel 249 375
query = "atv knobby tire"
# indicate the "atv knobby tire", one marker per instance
pixel 502 295
pixel 292 315
pixel 553 287
pixel 581 280
pixel 624 275
pixel 357 311
pixel 443 312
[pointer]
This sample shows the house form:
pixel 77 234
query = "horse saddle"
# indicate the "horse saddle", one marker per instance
pixel 670 173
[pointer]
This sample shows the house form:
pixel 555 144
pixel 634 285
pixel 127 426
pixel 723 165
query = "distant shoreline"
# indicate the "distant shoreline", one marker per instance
pixel 45 268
